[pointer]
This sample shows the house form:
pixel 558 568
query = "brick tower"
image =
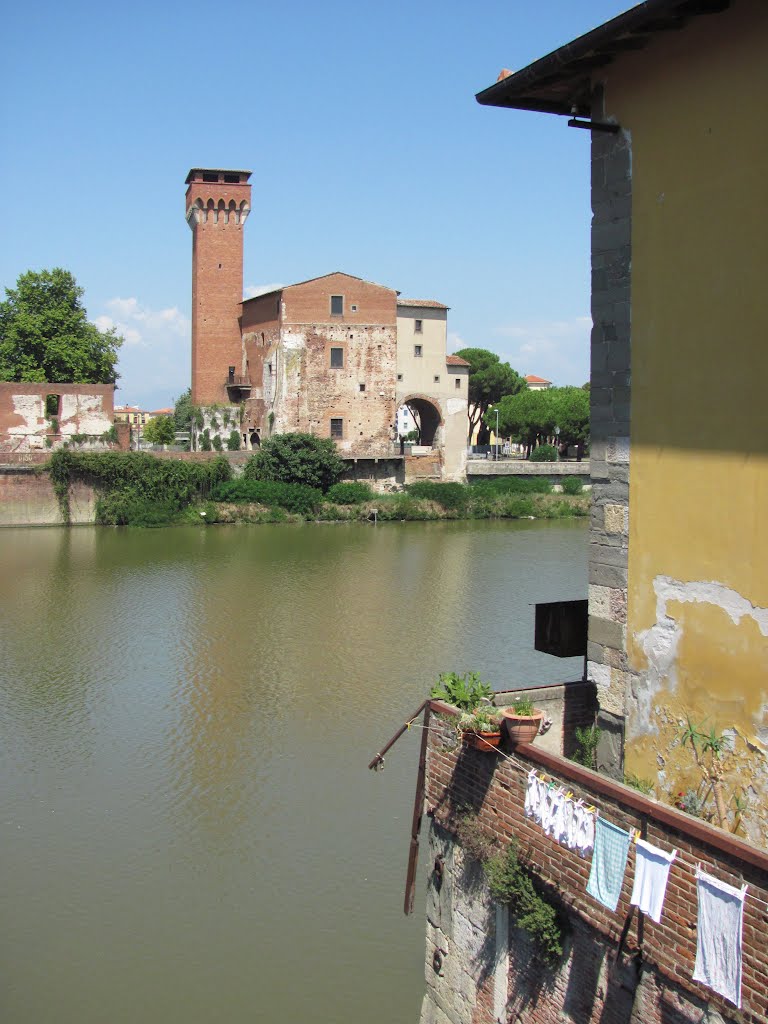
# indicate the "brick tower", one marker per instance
pixel 218 203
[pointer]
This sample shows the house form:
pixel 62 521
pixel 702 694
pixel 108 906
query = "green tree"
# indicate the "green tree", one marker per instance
pixel 572 415
pixel 296 459
pixel 489 381
pixel 160 430
pixel 45 334
pixel 526 416
pixel 183 410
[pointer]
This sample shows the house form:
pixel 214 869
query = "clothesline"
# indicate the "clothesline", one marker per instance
pixel 686 863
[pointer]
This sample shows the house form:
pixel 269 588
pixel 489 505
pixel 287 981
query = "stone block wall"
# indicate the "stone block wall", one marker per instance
pixel 621 967
pixel 610 430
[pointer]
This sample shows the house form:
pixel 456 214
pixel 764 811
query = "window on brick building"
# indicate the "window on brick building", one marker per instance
pixel 437 379
pixel 399 376
pixel 52 405
pixel 417 326
pixel 210 177
pixel 337 305
pixel 337 358
pixel 458 382
pixel 337 427
pixel 362 387
pixel 417 351
pixel 231 179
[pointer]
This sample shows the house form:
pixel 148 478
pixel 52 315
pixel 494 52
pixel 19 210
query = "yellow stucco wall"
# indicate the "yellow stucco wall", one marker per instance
pixel 697 609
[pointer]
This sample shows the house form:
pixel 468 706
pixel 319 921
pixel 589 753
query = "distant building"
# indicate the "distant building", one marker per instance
pixel 335 356
pixel 537 383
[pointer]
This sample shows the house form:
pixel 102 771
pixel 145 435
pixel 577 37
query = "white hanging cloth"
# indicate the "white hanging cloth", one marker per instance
pixel 651 876
pixel 718 943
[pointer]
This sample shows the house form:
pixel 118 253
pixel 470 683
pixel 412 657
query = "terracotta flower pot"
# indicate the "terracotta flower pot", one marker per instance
pixel 485 741
pixel 521 728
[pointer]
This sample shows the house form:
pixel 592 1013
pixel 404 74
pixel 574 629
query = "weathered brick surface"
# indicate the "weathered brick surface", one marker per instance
pixel 27 498
pixel 648 975
pixel 24 422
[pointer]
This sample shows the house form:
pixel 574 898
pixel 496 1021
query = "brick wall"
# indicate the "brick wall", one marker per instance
pixel 650 980
pixel 27 499
pixel 25 423
pixel 216 213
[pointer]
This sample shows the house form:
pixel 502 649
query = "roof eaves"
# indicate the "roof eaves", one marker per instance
pixel 560 82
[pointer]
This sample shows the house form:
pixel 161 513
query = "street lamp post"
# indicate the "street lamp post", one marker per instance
pixel 557 444
pixel 497 433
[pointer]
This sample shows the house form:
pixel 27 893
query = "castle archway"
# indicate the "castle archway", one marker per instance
pixel 428 419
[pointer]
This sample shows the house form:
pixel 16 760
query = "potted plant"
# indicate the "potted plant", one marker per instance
pixel 481 728
pixel 465 692
pixel 521 721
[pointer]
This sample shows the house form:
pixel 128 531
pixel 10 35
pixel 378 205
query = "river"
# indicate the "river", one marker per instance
pixel 189 832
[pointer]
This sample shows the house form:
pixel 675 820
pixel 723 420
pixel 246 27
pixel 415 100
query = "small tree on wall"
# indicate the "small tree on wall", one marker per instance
pixel 160 430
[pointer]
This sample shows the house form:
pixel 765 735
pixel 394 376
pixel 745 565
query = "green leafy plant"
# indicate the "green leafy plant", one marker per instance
pixel 448 495
pixel 465 692
pixel 205 441
pixel 572 485
pixel 349 492
pixel 297 459
pixel 479 720
pixel 473 838
pixel 514 885
pixel 54 425
pixel 637 782
pixel 544 453
pixel 218 446
pixel 523 706
pixel 587 739
pixel 109 436
pixel 233 441
pixel 295 498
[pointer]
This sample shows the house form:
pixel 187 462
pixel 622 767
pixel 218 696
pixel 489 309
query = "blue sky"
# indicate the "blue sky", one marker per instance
pixel 368 150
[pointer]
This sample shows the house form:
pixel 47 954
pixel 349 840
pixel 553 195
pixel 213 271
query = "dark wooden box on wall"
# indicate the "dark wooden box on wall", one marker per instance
pixel 561 628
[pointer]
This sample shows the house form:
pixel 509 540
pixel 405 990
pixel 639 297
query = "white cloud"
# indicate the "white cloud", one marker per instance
pixel 154 362
pixel 252 290
pixel 555 349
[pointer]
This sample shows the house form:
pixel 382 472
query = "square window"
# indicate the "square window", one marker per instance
pixel 417 351
pixel 337 427
pixel 337 305
pixel 458 382
pixel 362 387
pixel 353 307
pixel 417 326
pixel 399 376
pixel 337 358
pixel 437 379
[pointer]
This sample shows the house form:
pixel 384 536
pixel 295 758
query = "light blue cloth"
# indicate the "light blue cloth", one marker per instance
pixel 609 862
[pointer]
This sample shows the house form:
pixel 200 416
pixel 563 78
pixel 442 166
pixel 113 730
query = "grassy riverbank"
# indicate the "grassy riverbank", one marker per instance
pixel 402 508
pixel 139 490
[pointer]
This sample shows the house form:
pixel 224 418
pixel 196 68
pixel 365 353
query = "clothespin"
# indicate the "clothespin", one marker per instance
pixel 569 795
pixel 592 809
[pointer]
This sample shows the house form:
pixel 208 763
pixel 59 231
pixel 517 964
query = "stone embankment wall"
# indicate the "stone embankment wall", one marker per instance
pixel 617 968
pixel 27 498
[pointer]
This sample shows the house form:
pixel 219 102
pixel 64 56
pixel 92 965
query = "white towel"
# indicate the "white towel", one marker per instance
pixel 651 875
pixel 718 945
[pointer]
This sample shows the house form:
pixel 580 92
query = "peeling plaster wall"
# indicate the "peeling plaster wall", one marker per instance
pixel 24 426
pixel 678 629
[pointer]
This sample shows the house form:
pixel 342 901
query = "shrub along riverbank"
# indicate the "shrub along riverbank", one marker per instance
pixel 139 490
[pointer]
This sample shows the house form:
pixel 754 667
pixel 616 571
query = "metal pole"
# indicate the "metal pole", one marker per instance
pixel 497 434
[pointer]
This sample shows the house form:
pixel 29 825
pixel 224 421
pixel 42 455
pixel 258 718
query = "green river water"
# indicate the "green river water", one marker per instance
pixel 188 830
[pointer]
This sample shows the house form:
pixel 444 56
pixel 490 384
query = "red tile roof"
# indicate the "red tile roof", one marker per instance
pixel 456 361
pixel 424 303
pixel 533 379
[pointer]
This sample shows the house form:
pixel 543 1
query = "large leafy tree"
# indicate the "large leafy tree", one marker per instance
pixel 530 417
pixel 489 381
pixel 297 459
pixel 45 334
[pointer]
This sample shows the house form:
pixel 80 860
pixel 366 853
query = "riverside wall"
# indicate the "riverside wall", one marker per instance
pixel 616 968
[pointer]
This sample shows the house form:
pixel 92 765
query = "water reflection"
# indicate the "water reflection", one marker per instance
pixel 185 720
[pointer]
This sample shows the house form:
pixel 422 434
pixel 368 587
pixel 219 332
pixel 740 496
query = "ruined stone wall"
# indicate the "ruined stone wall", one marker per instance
pixel 616 968
pixel 360 390
pixel 25 425
pixel 260 326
